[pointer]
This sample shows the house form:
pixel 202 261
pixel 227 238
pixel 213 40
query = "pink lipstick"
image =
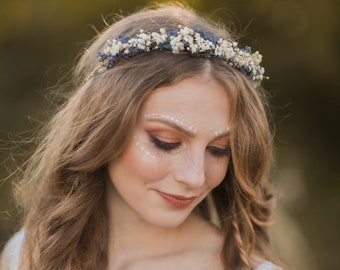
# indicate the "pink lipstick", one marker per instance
pixel 176 200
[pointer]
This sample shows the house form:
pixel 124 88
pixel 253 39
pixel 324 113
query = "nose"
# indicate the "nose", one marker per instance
pixel 191 170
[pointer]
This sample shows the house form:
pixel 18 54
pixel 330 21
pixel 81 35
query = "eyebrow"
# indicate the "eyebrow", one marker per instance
pixel 188 132
pixel 169 122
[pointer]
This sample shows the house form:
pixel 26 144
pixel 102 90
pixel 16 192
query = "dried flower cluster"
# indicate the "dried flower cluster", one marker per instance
pixel 192 41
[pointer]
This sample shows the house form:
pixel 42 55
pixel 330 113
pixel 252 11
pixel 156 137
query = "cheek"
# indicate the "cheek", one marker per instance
pixel 139 163
pixel 216 171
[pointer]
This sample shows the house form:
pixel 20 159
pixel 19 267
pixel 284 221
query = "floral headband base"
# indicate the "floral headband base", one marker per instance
pixel 192 41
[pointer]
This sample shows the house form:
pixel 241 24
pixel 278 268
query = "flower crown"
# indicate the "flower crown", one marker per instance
pixel 192 41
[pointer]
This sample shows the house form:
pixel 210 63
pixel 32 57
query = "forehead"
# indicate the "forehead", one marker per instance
pixel 203 101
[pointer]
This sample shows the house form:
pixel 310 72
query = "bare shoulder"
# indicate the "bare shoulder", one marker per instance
pixel 211 243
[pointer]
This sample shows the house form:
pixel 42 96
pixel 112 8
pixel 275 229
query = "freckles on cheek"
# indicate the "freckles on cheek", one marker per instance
pixel 146 162
pixel 144 151
pixel 216 173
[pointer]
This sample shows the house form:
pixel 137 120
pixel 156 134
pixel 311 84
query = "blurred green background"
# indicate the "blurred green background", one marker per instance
pixel 299 39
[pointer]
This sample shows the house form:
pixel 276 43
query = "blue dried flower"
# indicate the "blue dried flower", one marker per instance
pixel 196 42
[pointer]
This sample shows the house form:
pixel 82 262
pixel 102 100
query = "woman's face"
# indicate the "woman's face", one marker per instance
pixel 178 153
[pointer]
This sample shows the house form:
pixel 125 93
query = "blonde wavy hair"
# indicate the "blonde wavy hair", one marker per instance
pixel 63 185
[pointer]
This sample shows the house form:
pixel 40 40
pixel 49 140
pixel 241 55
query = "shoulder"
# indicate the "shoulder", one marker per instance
pixel 210 239
pixel 10 257
pixel 267 265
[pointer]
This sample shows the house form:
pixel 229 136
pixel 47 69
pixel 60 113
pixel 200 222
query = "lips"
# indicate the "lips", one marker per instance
pixel 177 201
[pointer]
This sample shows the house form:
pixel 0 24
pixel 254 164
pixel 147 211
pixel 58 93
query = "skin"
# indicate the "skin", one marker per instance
pixel 152 231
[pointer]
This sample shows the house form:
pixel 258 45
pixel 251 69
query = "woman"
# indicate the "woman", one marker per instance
pixel 158 159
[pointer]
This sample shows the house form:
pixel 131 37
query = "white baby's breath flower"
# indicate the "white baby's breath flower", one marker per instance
pixel 186 39
pixel 218 51
pixel 184 31
pixel 126 46
pixel 141 46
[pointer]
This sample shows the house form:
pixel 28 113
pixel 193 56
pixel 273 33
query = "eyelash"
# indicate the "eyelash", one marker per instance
pixel 219 152
pixel 167 147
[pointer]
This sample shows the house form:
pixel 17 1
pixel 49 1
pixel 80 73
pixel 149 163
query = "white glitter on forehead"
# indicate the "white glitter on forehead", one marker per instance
pixel 176 118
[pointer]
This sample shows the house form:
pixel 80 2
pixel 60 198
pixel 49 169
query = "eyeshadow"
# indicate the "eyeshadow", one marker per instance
pixel 177 119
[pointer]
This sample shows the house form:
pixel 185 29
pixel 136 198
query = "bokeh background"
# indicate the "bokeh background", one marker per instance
pixel 299 39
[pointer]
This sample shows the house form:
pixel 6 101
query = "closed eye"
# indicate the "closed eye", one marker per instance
pixel 165 146
pixel 219 152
